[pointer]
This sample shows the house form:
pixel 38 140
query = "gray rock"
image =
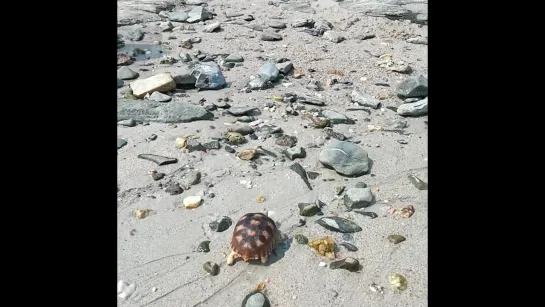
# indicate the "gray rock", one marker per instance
pixel 267 129
pixel 194 145
pixel 229 149
pixel 269 35
pixel 233 14
pixel 192 178
pixel 322 26
pixel 183 77
pixel 136 35
pixel 298 7
pixel 159 97
pixel 417 182
pixel 198 13
pixel 129 122
pixel 308 209
pixel 269 71
pixel 120 83
pixel 174 189
pixel 235 58
pixel 409 100
pixel 300 170
pixel 159 160
pixel 211 145
pixel 311 101
pixel 418 40
pixel 212 27
pixel 345 158
pixel 364 99
pixel 314 85
pixel 125 90
pixel 258 83
pixel 125 73
pixel 178 16
pixel 246 119
pixel 256 299
pixel 414 108
pixel 173 112
pixel 334 36
pixel 349 264
pixel 255 27
pixel 416 86
pixel 142 11
pixel 185 57
pixel 241 128
pixel 335 117
pixel 299 23
pixel 360 185
pixel 276 24
pixel 338 224
pixel 221 224
pixel 239 111
pixel 294 153
pixel 166 26
pixel 208 75
pixel 204 247
pixel 357 198
pixel 284 67
pixel 121 143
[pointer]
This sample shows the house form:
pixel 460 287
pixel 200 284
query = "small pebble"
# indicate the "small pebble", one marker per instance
pixel 204 247
pixel 397 281
pixel 301 239
pixel 211 267
pixel 396 238
pixel 322 264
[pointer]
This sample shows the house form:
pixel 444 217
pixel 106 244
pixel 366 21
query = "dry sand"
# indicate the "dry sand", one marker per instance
pixel 160 251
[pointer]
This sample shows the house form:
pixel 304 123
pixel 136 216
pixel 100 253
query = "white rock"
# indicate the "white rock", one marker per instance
pixel 192 202
pixel 124 290
pixel 161 83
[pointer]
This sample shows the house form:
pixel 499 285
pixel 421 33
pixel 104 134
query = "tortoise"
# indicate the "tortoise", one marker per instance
pixel 254 237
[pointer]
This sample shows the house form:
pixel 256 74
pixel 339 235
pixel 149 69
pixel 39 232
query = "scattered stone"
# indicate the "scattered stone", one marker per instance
pixel 246 154
pixel 296 167
pixel 121 143
pixel 248 18
pixel 125 73
pixel 211 145
pixel 299 23
pixel 174 188
pixel 409 100
pixel 314 85
pixel 319 121
pixel 269 35
pixel 211 268
pixel 242 128
pixel 414 108
pixel 198 13
pixel 212 27
pixel 334 36
pixel 229 149
pixel 136 35
pixel 178 16
pixel 159 97
pixel 294 153
pixel 166 26
pixel 332 134
pixel 348 263
pixel 356 198
pixel 194 145
pixel 286 140
pixel 256 299
pixel 364 99
pixel 159 160
pixel 301 239
pixel 192 202
pixel 308 209
pixel 371 215
pixel 123 59
pixel 192 178
pixel 235 137
pixel 173 112
pixel 418 183
pixel 311 101
pixel 269 71
pixel 221 224
pixel 208 75
pixel 124 290
pixel 246 119
pixel 396 239
pixel 413 87
pixel 335 117
pixel 313 175
pixel 349 246
pixel 268 129
pixel 284 67
pixel 141 213
pixel 338 224
pixel 407 211
pixel 255 27
pixel 235 58
pixel 276 24
pixel 120 83
pixel 258 83
pixel 360 185
pixel 339 190
pixel 161 82
pixel 345 158
pixel 156 175
pixel 325 247
pixel 418 40
pixel 204 247
pixel 397 281
pixel 239 111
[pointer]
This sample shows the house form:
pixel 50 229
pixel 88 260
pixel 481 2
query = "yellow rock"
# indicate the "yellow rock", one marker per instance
pixel 324 246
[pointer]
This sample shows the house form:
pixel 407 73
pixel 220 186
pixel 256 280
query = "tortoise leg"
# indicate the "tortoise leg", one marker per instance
pixel 231 258
pixel 264 259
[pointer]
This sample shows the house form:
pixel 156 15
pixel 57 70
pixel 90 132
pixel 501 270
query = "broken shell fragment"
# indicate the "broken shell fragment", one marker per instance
pixel 397 281
pixel 141 213
pixel 407 211
pixel 325 247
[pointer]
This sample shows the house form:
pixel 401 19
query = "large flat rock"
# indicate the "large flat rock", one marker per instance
pixel 171 112
pixel 131 12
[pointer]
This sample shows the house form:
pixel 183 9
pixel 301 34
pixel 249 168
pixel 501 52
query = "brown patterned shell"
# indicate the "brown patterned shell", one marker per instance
pixel 254 236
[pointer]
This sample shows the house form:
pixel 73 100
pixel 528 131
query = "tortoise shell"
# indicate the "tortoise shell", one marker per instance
pixel 254 237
